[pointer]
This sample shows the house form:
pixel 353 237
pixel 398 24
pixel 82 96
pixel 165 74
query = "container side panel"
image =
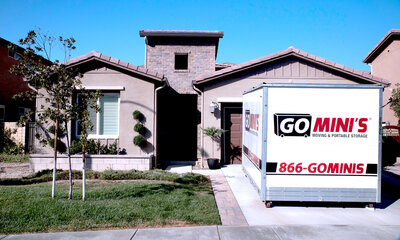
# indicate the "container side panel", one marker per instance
pixel 252 135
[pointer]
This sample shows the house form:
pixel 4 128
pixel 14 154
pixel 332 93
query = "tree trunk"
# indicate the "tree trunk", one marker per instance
pixel 69 162
pixel 83 173
pixel 53 188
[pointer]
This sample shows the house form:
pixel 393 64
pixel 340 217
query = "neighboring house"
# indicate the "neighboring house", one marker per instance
pixel 181 90
pixel 11 109
pixel 385 63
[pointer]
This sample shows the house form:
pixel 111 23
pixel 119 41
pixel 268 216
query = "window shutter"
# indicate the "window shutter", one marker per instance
pixel 109 114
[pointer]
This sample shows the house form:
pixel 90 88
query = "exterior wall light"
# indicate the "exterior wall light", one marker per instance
pixel 213 106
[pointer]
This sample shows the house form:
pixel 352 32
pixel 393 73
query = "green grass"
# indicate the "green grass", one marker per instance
pixel 18 158
pixel 109 204
pixel 47 175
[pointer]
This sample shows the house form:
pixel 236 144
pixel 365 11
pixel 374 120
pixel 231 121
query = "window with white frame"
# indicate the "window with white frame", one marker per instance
pixel 22 111
pixel 106 122
pixel 2 112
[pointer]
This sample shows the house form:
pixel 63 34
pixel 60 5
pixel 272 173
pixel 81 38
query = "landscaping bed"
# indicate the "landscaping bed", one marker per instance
pixel 167 200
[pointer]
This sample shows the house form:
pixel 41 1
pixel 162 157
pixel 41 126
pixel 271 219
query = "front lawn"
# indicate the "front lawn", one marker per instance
pixel 109 204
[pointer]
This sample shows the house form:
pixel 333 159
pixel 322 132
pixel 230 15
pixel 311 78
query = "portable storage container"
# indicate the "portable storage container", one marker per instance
pixel 305 142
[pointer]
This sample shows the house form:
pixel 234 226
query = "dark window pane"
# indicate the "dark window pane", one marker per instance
pixel 181 61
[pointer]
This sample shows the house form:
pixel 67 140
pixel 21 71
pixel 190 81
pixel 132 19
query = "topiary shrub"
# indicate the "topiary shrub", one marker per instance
pixel 139 141
pixel 139 128
pixel 137 115
pixel 52 130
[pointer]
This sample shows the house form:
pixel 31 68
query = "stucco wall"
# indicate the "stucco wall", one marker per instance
pixel 287 71
pixel 386 66
pixel 138 94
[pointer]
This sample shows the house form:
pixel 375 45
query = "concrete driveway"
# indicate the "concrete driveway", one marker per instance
pixel 255 212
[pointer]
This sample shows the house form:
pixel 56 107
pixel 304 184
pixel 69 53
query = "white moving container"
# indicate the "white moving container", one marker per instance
pixel 305 142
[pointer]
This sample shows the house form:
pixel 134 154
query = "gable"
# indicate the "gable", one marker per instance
pixel 291 64
pixel 293 67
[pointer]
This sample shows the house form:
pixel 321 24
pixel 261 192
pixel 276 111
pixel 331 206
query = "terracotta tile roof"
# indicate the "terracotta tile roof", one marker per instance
pixel 219 66
pixel 383 43
pixel 180 33
pixel 117 63
pixel 291 51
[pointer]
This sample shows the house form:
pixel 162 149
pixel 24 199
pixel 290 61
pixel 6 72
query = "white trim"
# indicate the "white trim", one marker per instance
pixel 230 99
pixel 96 136
pixel 104 88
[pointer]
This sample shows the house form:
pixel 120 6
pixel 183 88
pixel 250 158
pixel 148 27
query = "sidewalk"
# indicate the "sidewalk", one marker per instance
pixel 228 233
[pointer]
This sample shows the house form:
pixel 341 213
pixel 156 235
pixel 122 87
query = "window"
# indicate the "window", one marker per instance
pixel 181 61
pixel 14 55
pixel 2 112
pixel 22 111
pixel 106 122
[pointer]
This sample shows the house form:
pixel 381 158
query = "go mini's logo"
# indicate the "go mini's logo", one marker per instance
pixel 292 124
pixel 287 124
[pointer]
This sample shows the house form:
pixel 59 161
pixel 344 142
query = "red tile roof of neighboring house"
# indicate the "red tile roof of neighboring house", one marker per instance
pixel 180 33
pixel 385 41
pixel 93 55
pixel 291 51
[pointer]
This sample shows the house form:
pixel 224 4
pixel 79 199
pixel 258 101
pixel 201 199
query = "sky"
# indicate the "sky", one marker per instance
pixel 340 31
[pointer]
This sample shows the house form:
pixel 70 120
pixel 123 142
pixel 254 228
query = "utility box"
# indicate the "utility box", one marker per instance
pixel 318 142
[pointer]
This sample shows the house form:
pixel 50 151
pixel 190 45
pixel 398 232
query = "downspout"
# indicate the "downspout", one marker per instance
pixel 155 135
pixel 202 123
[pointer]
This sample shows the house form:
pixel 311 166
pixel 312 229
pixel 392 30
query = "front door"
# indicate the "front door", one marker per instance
pixel 232 138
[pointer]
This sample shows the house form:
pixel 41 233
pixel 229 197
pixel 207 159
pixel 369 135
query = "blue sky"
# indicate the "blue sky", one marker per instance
pixel 340 31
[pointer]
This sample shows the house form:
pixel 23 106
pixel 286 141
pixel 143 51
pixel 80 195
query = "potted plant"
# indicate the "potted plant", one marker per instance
pixel 215 135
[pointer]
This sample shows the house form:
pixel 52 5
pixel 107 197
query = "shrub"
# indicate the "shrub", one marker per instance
pixel 139 128
pixel 52 130
pixel 61 147
pixel 13 158
pixel 46 176
pixel 111 149
pixel 137 115
pixel 7 144
pixel 93 147
pixel 139 141
pixel 190 178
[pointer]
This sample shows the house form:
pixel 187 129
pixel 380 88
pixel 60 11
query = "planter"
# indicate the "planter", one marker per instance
pixel 213 163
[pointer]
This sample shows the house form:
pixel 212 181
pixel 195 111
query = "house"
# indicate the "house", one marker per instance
pixel 125 88
pixel 384 59
pixel 182 90
pixel 11 109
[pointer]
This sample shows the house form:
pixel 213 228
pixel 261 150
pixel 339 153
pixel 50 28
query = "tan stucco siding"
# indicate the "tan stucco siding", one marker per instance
pixel 387 66
pixel 137 95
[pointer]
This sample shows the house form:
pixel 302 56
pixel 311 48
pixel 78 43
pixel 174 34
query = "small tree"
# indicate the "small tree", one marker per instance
pixel 215 135
pixel 87 103
pixel 52 81
pixel 395 102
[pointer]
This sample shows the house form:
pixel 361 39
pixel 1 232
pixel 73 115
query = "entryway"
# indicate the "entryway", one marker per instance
pixel 232 139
